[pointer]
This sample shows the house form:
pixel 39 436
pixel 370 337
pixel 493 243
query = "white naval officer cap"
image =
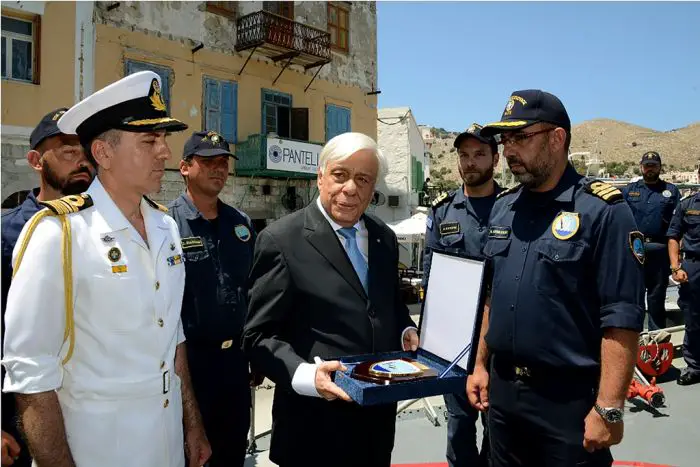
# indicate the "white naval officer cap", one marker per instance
pixel 134 103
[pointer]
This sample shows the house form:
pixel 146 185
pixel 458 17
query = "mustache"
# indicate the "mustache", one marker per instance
pixel 81 170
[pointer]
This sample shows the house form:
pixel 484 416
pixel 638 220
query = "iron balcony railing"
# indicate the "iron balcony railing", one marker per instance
pixel 262 27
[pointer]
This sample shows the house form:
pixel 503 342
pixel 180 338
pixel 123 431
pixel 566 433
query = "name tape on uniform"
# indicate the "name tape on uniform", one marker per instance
pixel 448 228
pixel 499 232
pixel 191 242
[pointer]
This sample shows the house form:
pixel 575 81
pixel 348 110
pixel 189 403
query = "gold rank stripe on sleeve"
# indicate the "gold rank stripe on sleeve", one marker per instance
pixel 604 191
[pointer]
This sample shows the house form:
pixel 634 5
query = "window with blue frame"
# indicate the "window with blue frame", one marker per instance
pixel 221 108
pixel 134 66
pixel 337 120
pixel 276 113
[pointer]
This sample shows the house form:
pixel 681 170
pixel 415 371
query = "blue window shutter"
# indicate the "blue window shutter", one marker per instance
pixel 212 105
pixel 337 120
pixel 229 96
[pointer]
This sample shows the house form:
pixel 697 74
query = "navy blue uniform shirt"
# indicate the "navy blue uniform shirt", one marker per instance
pixel 652 207
pixel 565 268
pixel 685 225
pixel 457 224
pixel 218 256
pixel 12 223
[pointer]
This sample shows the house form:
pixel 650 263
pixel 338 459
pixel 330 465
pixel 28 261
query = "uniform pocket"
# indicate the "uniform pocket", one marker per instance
pixel 452 243
pixel 124 294
pixel 559 266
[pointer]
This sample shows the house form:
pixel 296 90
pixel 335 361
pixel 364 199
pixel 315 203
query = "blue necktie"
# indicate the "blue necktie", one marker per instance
pixel 358 262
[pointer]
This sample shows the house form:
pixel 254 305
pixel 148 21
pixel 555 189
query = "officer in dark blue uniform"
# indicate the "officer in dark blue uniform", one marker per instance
pixel 653 201
pixel 685 228
pixel 565 304
pixel 217 242
pixel 64 170
pixel 458 223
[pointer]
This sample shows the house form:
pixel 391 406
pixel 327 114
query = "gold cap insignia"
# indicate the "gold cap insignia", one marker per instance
pixel 156 98
pixel 511 104
pixel 474 127
pixel 57 115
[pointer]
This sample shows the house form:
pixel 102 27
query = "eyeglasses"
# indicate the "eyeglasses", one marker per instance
pixel 519 138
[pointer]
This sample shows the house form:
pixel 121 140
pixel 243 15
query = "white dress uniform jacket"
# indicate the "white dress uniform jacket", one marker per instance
pixel 119 394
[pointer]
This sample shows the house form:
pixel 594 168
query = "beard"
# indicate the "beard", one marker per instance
pixel 538 171
pixel 476 178
pixel 65 185
pixel 651 177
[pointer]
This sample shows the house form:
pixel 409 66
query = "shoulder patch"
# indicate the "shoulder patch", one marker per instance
pixel 155 205
pixel 441 198
pixel 508 191
pixel 68 204
pixel 604 191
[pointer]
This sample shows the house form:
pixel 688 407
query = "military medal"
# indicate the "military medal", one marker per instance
pixel 114 254
pixel 173 260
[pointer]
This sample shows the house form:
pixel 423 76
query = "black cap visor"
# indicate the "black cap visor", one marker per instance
pixel 213 152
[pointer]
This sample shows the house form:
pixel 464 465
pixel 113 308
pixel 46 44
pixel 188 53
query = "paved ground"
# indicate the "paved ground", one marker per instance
pixel 668 436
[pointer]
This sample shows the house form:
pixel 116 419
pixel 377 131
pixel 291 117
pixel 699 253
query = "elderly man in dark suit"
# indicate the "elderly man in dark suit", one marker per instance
pixel 324 284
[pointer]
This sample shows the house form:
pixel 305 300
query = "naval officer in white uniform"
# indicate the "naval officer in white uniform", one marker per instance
pixel 94 346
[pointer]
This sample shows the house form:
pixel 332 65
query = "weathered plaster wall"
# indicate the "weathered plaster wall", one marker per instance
pixel 189 23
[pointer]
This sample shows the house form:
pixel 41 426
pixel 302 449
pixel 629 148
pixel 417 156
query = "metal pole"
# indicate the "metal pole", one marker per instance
pixel 252 445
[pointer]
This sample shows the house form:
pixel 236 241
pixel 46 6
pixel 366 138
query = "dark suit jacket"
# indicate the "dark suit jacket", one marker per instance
pixel 306 300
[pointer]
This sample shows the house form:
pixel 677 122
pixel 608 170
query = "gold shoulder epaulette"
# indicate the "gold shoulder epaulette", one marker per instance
pixel 508 191
pixel 68 204
pixel 604 191
pixel 155 205
pixel 439 199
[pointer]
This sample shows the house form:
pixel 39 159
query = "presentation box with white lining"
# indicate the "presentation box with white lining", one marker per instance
pixel 450 320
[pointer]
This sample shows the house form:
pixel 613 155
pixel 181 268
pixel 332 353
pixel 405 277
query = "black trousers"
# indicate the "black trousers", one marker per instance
pixel 689 303
pixel 656 272
pixel 539 423
pixel 461 433
pixel 221 387
pixel 312 432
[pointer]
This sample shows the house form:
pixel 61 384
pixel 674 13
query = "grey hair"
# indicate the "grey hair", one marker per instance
pixel 345 145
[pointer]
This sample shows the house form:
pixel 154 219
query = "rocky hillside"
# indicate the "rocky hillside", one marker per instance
pixel 619 144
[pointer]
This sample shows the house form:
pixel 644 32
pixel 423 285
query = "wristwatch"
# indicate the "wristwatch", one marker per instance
pixel 610 414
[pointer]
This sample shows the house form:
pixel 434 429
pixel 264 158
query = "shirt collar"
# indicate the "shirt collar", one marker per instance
pixel 359 225
pixel 565 189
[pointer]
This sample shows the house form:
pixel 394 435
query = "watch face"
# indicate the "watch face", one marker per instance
pixel 614 415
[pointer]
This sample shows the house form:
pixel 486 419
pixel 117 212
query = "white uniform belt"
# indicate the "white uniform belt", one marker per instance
pixel 156 385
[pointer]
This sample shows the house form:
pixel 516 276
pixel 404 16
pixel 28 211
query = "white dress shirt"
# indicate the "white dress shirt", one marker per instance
pixel 119 389
pixel 304 379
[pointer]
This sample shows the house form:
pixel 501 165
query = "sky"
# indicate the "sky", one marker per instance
pixel 455 63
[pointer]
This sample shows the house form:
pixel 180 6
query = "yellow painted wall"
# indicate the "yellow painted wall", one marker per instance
pixel 23 104
pixel 115 46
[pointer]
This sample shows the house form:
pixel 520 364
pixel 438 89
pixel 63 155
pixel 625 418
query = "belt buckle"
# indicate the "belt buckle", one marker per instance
pixel 166 381
pixel 226 344
pixel 522 371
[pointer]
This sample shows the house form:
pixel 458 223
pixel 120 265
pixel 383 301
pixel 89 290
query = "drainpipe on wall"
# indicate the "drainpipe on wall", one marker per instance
pixel 84 50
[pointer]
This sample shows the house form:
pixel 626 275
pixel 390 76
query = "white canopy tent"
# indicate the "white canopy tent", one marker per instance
pixel 411 231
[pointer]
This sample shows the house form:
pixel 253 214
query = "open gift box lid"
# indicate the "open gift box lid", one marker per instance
pixel 450 322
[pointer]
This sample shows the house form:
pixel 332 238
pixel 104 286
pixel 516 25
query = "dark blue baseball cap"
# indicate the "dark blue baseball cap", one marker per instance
pixel 474 131
pixel 651 157
pixel 527 107
pixel 47 127
pixel 207 144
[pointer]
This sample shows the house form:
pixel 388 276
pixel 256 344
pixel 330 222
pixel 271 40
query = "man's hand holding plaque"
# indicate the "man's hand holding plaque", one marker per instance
pixel 325 385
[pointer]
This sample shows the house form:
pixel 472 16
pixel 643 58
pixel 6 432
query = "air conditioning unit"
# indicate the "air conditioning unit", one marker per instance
pixel 393 201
